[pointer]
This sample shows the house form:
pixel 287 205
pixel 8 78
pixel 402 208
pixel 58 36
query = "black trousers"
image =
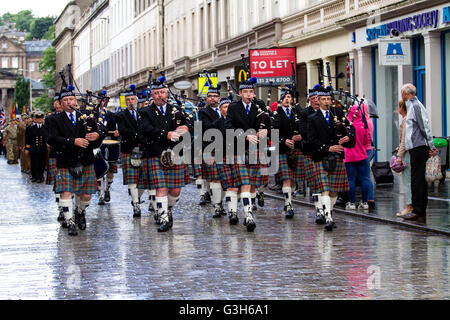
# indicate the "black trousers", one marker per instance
pixel 38 165
pixel 419 186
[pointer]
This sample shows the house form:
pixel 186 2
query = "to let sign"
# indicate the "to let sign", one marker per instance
pixel 273 65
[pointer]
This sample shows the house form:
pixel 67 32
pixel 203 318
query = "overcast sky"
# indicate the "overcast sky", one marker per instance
pixel 40 8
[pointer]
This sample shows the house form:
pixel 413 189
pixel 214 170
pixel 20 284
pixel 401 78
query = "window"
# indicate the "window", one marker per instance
pixel 5 63
pixel 31 67
pixel 4 45
pixel 15 62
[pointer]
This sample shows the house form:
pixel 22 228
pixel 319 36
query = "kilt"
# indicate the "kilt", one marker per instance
pixel 51 171
pixel 112 167
pixel 187 176
pixel 300 174
pixel 308 164
pixel 227 176
pixel 335 181
pixel 211 172
pixel 285 172
pixel 131 175
pixel 246 174
pixel 86 184
pixel 198 170
pixel 159 177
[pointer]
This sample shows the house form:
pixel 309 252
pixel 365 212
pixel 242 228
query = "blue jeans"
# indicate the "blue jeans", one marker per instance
pixel 361 170
pixel 371 187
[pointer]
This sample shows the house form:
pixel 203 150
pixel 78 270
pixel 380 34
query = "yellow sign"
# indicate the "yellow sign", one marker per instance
pixel 202 81
pixel 123 105
pixel 242 75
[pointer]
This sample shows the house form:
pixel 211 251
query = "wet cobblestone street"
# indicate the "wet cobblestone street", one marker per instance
pixel 118 257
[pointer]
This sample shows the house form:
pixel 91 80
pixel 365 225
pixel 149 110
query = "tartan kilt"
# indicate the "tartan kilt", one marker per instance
pixel 198 170
pixel 227 176
pixel 159 177
pixel 131 175
pixel 86 184
pixel 211 172
pixel 300 174
pixel 51 171
pixel 246 174
pixel 112 167
pixel 187 176
pixel 308 164
pixel 335 181
pixel 285 172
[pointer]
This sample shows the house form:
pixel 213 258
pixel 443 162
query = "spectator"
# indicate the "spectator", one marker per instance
pixel 357 163
pixel 403 155
pixel 419 144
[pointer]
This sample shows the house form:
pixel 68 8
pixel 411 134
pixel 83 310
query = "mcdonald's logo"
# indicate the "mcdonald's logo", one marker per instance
pixel 242 75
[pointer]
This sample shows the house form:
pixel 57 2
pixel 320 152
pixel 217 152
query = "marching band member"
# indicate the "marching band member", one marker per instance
pixel 128 122
pixel 211 117
pixel 74 136
pixel 107 119
pixel 289 158
pixel 161 132
pixel 327 153
pixel 243 115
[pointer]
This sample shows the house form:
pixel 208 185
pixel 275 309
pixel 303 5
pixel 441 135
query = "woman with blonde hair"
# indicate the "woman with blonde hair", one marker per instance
pixel 403 155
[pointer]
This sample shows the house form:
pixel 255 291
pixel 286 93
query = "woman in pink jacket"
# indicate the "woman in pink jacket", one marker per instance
pixel 356 160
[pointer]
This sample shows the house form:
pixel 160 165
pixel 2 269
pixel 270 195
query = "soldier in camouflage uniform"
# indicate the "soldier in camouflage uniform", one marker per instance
pixel 12 149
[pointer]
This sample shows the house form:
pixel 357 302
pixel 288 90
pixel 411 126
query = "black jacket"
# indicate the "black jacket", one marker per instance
pixel 128 130
pixel 154 128
pixel 322 135
pixel 35 139
pixel 62 135
pixel 237 118
pixel 303 115
pixel 285 126
pixel 108 122
pixel 48 120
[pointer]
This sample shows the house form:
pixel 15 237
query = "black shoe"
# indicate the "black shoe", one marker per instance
pixel 233 218
pixel 73 230
pixel 330 225
pixel 136 211
pixel 320 218
pixel 250 223
pixel 101 201
pixel 217 213
pixel 371 205
pixel 202 200
pixel 107 196
pixel 208 197
pixel 260 197
pixel 64 224
pixel 289 212
pixel 222 210
pixel 164 227
pixel 80 219
pixel 61 216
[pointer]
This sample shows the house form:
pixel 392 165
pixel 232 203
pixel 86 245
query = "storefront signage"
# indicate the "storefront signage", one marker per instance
pixel 446 15
pixel 394 52
pixel 202 82
pixel 273 65
pixel 418 21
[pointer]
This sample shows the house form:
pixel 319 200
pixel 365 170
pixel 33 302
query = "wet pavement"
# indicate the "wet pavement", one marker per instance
pixel 118 257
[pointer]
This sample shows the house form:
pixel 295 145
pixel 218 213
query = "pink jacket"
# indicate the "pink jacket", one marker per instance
pixel 363 136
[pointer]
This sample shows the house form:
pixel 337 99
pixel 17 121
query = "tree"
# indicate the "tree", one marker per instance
pixel 23 20
pixel 50 34
pixel 47 66
pixel 40 26
pixel 22 92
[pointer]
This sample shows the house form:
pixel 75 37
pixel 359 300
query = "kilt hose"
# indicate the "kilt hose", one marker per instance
pixel 334 181
pixel 159 177
pixel 86 184
pixel 51 171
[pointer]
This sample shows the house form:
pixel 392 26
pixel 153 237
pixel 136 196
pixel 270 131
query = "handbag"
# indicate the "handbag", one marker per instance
pixel 382 172
pixel 397 167
pixel 433 169
pixel 330 162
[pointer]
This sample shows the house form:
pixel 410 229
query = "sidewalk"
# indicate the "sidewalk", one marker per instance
pixel 390 200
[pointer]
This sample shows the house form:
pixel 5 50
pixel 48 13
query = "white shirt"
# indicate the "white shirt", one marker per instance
pixel 164 108
pixel 285 111
pixel 74 115
pixel 324 112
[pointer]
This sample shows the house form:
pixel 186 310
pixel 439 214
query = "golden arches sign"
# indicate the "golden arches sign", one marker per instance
pixel 240 77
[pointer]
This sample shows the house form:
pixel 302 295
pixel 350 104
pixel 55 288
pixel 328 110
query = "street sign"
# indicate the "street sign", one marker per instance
pixel 202 81
pixel 394 52
pixel 273 65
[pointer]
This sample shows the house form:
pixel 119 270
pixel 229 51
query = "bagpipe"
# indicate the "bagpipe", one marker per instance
pixel 89 119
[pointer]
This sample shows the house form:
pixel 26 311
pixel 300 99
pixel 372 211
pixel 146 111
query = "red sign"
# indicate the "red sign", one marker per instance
pixel 273 65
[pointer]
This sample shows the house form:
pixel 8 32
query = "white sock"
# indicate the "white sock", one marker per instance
pixel 200 183
pixel 84 204
pixel 67 206
pixel 101 185
pixel 287 193
pixel 109 183
pixel 231 200
pixel 333 202
pixel 326 201
pixel 134 193
pixel 172 201
pixel 246 201
pixel 216 188
pixel 253 195
pixel 140 193
pixel 318 201
pixel 162 206
pixel 208 186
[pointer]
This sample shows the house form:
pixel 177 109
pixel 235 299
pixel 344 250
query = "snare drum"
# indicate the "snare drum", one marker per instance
pixel 111 150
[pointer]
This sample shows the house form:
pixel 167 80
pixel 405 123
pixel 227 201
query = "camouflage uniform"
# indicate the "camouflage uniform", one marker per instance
pixel 12 150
